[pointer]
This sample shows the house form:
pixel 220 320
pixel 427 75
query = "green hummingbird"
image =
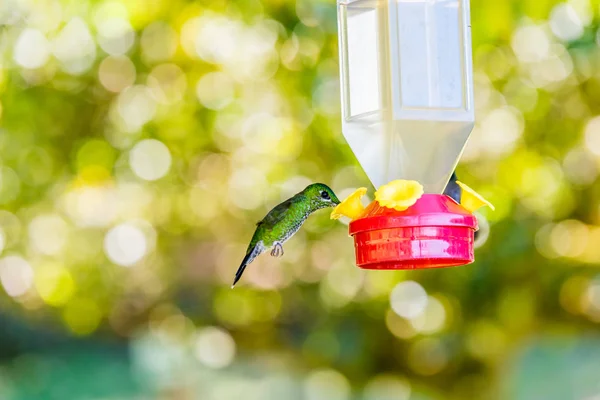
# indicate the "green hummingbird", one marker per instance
pixel 455 193
pixel 284 220
pixel 452 189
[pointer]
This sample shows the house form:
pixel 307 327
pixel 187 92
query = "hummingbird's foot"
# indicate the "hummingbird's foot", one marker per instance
pixel 277 249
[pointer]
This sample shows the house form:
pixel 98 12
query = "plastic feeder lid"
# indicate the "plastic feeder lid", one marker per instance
pixel 435 232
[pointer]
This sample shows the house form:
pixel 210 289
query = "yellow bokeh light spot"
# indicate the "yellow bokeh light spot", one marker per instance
pixel 141 13
pixel 351 207
pixel 486 341
pixel 399 194
pixel 398 326
pixel 428 356
pixel 471 200
pixel 572 295
pixel 95 152
pixel 233 307
pixel 82 316
pixel 54 284
pixel 92 174
pixel 379 286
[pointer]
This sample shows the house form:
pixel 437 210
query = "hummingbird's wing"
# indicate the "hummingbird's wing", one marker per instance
pixel 452 189
pixel 274 229
pixel 257 246
pixel 276 214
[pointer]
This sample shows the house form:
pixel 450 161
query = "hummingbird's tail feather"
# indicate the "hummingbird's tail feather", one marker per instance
pixel 250 256
pixel 241 269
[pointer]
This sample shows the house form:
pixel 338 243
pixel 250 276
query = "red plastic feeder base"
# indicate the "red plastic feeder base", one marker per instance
pixel 435 232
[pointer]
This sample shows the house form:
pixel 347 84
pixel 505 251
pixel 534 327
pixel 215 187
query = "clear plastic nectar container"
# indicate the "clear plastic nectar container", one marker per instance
pixel 407 87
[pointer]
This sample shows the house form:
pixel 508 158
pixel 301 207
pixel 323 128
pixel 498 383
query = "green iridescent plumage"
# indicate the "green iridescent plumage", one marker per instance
pixel 284 220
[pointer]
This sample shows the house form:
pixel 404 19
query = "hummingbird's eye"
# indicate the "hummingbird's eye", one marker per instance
pixel 325 195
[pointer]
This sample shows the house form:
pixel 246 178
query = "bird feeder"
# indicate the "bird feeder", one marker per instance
pixel 407 112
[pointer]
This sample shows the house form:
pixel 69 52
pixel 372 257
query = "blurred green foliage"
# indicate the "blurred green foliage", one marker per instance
pixel 141 140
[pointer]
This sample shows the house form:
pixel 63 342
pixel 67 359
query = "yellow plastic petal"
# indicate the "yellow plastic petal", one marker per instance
pixel 399 194
pixel 351 207
pixel 471 200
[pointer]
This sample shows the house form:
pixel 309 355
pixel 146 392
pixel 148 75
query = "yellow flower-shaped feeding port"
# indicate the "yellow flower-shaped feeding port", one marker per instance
pixel 399 194
pixel 472 200
pixel 351 207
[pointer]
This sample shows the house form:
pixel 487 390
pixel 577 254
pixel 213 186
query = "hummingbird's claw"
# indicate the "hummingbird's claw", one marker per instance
pixel 277 249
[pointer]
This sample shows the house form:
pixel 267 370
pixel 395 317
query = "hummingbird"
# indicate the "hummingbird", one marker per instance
pixel 454 191
pixel 284 220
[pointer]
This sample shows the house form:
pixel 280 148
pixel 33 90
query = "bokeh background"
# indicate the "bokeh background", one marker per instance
pixel 141 140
